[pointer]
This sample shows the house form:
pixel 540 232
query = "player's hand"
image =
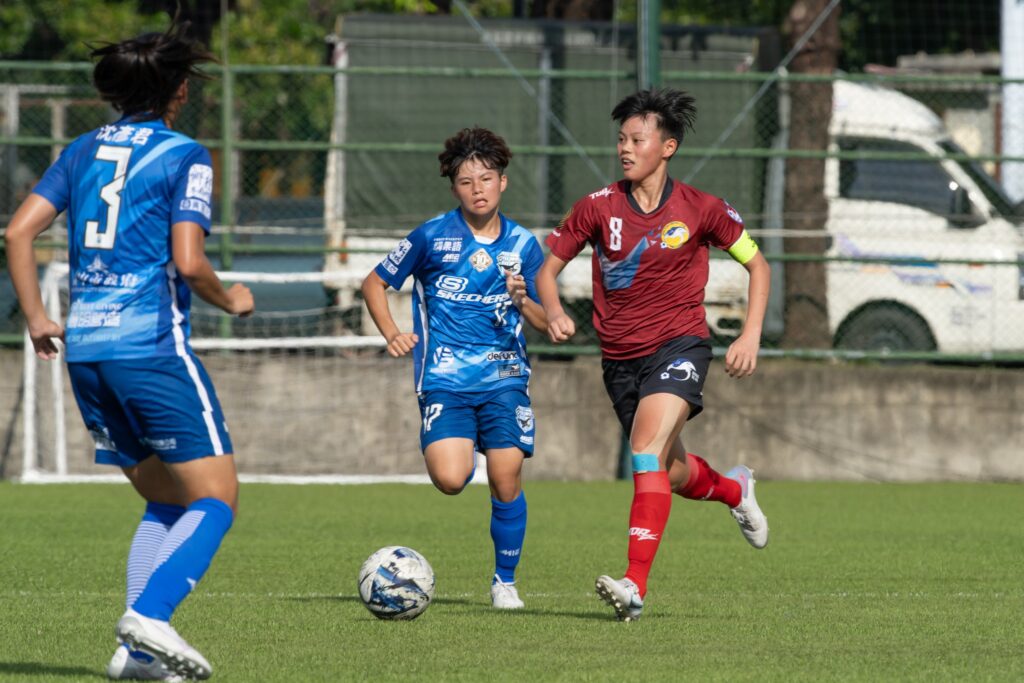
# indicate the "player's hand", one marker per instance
pixel 516 286
pixel 402 343
pixel 241 302
pixel 741 358
pixel 560 327
pixel 42 333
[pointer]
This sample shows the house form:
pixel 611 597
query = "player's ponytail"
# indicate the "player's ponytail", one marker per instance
pixel 141 76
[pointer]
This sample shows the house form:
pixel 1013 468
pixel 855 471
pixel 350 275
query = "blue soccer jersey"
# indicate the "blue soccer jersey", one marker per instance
pixel 124 185
pixel 470 335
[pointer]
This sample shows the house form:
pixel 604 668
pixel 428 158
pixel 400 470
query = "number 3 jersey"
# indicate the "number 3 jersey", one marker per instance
pixel 470 334
pixel 124 185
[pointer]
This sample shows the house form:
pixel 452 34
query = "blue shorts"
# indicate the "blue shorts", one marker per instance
pixel 163 405
pixel 502 420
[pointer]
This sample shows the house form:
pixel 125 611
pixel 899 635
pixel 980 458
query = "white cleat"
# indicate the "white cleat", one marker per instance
pixel 123 666
pixel 159 639
pixel 623 595
pixel 504 595
pixel 748 515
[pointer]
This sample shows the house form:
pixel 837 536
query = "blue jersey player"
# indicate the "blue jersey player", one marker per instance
pixel 137 196
pixel 473 272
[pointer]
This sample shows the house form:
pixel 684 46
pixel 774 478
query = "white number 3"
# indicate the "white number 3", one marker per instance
pixel 111 194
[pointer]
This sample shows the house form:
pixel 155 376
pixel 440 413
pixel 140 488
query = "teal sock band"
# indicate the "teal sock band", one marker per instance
pixel 645 462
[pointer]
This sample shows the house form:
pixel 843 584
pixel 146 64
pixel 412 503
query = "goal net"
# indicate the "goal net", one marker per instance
pixel 306 393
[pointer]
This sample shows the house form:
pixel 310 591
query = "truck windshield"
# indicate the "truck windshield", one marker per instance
pixel 992 190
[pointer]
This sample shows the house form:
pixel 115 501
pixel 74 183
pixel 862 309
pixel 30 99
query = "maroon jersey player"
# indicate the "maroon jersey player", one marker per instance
pixel 651 237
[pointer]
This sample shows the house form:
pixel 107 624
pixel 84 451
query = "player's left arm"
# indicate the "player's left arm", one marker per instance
pixel 726 231
pixel 741 358
pixel 34 216
pixel 523 291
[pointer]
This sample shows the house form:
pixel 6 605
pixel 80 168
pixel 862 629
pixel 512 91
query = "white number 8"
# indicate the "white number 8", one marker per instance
pixel 111 194
pixel 615 238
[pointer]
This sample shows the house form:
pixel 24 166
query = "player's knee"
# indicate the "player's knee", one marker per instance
pixel 449 484
pixel 646 462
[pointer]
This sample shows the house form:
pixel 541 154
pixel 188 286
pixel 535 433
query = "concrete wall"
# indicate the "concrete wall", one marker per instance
pixel 793 420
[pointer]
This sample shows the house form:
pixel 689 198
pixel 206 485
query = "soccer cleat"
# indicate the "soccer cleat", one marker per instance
pixel 747 514
pixel 623 595
pixel 159 639
pixel 124 665
pixel 504 595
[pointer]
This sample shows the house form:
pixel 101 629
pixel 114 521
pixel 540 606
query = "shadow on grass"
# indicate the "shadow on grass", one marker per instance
pixel 476 606
pixel 353 598
pixel 41 669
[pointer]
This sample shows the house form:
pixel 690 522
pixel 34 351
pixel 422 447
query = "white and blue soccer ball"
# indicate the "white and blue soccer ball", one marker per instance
pixel 396 583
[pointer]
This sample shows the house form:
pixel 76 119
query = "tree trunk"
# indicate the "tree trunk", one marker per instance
pixel 806 209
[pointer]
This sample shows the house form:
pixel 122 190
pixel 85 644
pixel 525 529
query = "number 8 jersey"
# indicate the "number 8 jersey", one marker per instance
pixel 470 335
pixel 124 185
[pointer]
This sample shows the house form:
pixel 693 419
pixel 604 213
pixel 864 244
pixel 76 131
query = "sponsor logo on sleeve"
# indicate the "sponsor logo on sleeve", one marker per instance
pixel 603 192
pixel 200 182
pixel 398 253
pixel 733 213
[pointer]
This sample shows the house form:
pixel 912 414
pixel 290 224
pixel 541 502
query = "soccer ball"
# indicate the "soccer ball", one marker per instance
pixel 396 583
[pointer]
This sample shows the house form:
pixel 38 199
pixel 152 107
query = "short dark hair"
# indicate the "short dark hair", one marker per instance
pixel 674 110
pixel 474 143
pixel 141 75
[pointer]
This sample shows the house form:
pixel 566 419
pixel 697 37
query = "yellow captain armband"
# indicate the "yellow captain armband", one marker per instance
pixel 743 249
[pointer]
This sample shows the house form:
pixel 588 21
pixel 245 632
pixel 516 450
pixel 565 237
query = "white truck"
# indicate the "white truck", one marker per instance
pixel 915 211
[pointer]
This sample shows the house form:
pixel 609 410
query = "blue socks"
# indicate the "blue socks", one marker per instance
pixel 184 557
pixel 156 522
pixel 508 529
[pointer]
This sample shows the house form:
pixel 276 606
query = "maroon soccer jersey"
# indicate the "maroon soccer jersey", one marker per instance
pixel 650 270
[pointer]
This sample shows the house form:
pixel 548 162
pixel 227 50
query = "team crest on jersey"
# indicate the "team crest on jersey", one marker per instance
pixel 481 260
pixel 524 416
pixel 674 235
pixel 733 213
pixel 510 263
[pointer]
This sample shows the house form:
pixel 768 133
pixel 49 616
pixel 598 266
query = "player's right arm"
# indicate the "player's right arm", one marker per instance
pixel 560 325
pixel 375 295
pixel 33 217
pixel 565 242
pixel 393 270
pixel 188 242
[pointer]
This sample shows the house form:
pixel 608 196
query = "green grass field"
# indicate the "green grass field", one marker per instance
pixel 859 582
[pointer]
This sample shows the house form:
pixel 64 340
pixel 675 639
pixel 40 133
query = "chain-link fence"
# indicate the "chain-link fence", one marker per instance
pixel 891 234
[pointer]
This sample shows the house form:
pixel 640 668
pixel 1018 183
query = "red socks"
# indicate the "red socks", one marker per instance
pixel 706 484
pixel 652 501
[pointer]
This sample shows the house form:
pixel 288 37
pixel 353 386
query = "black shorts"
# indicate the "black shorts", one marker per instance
pixel 678 367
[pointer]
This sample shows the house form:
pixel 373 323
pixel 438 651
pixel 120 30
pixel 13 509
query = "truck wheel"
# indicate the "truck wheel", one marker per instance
pixel 885 327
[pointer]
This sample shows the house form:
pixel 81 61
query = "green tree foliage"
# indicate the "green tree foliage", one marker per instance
pixel 61 31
